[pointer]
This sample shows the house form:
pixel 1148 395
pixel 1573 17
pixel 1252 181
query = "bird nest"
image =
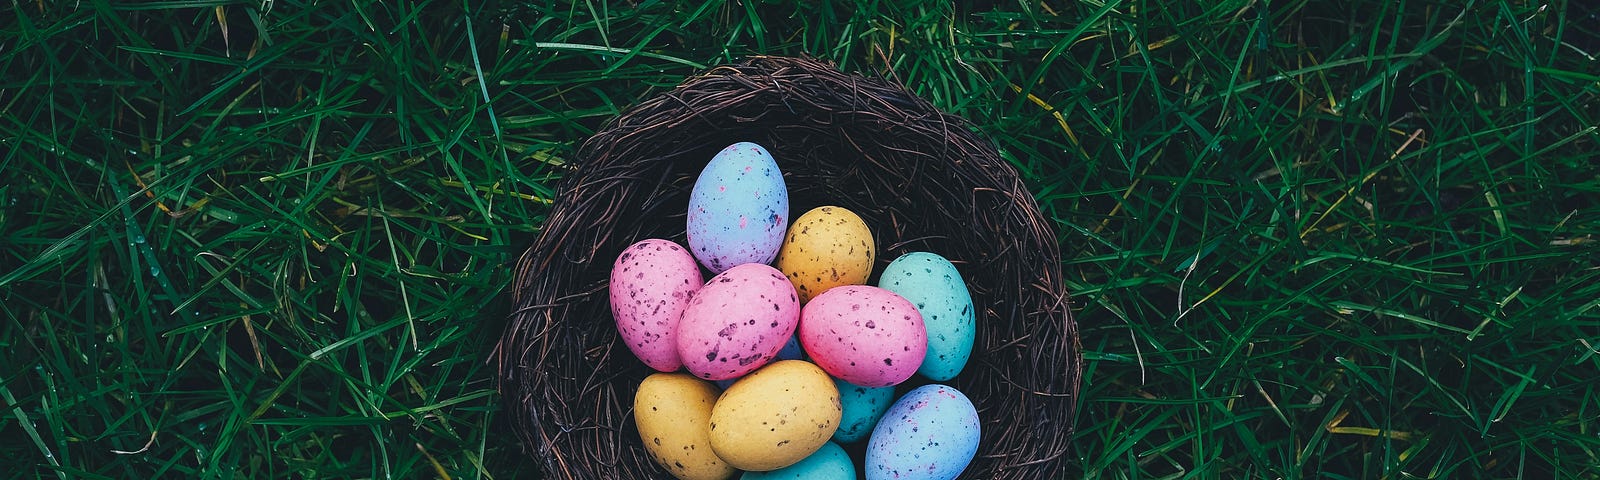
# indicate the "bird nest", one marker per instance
pixel 922 179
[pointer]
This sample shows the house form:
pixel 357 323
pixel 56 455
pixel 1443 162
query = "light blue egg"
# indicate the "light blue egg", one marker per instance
pixel 932 283
pixel 738 209
pixel 862 408
pixel 930 433
pixel 829 463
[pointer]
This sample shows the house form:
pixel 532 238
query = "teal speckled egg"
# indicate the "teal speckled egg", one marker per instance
pixel 934 286
pixel 862 408
pixel 829 463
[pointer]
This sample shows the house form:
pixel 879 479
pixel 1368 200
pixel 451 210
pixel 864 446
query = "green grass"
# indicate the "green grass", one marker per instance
pixel 271 239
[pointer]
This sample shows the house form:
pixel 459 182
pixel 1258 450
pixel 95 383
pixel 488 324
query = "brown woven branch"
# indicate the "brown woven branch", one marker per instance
pixel 922 179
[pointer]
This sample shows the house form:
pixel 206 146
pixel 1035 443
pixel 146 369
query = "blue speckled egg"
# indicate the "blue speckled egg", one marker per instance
pixel 863 407
pixel 829 463
pixel 934 286
pixel 792 350
pixel 738 209
pixel 930 433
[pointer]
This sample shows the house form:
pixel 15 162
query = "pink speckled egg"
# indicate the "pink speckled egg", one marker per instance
pixel 651 284
pixel 738 322
pixel 864 335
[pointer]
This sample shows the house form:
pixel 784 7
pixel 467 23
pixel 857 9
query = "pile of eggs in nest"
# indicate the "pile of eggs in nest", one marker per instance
pixel 786 353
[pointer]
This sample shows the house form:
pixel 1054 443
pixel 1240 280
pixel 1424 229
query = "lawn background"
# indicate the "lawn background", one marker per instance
pixel 271 239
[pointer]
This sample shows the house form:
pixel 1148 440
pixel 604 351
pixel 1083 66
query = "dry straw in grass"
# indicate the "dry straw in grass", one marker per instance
pixel 922 179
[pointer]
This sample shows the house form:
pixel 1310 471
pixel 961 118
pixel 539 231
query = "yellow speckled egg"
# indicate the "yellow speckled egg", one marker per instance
pixel 673 414
pixel 775 417
pixel 825 248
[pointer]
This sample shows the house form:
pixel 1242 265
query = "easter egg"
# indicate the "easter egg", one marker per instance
pixel 737 322
pixel 830 462
pixel 738 209
pixel 864 335
pixel 651 282
pixel 825 248
pixel 929 433
pixel 775 417
pixel 932 284
pixel 791 351
pixel 673 414
pixel 862 408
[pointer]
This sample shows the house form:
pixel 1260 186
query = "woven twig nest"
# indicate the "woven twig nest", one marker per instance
pixel 922 179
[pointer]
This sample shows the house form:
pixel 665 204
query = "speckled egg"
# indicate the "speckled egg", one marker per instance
pixel 673 414
pixel 791 351
pixel 932 283
pixel 930 433
pixel 864 335
pixel 825 248
pixel 775 416
pixel 738 209
pixel 830 462
pixel 862 408
pixel 651 283
pixel 737 322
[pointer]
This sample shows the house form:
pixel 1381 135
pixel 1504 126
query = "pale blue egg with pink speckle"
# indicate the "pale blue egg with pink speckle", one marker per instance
pixel 930 433
pixel 738 209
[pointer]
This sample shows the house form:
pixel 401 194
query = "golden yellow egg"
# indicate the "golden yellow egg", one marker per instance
pixel 673 414
pixel 825 248
pixel 775 417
